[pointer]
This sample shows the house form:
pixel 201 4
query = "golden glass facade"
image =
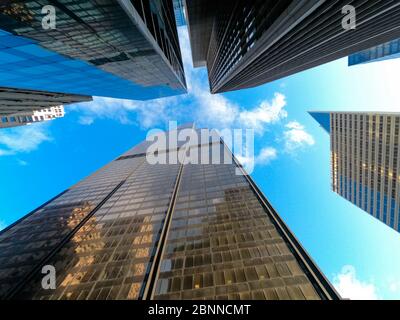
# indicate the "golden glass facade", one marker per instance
pixel 222 244
pixel 109 256
pixel 134 230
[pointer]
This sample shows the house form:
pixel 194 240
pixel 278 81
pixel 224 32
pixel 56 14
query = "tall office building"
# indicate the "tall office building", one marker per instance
pixel 179 13
pixel 245 43
pixel 366 161
pixel 120 49
pixel 385 51
pixel 26 118
pixel 136 230
pixel 21 101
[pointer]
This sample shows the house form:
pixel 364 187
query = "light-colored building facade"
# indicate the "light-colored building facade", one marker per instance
pixel 365 160
pixel 29 117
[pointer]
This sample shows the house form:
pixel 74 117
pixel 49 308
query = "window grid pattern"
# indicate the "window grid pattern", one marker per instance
pixel 25 245
pixel 222 245
pixel 365 162
pixel 286 37
pixel 95 43
pixel 110 255
pixel 137 230
pixel 388 50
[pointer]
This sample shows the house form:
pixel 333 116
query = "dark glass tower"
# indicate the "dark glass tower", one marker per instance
pixel 136 230
pixel 245 43
pixel 114 48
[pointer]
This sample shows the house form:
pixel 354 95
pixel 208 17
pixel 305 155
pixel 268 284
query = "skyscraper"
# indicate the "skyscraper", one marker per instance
pixel 245 43
pixel 136 230
pixel 366 161
pixel 120 49
pixel 29 117
pixel 22 101
pixel 179 13
pixel 385 51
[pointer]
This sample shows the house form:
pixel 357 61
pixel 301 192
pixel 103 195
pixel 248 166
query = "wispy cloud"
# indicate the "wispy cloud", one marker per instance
pixel 264 114
pixel 266 155
pixel 214 110
pixel 349 286
pixel 205 109
pixel 217 110
pixel 23 139
pixel 144 113
pixel 296 137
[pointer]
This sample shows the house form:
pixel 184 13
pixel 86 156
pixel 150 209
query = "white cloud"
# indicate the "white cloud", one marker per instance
pixel 266 113
pixel 265 156
pixel 350 287
pixel 215 110
pixel 146 113
pixel 23 139
pixel 206 109
pixel 104 108
pixel 296 136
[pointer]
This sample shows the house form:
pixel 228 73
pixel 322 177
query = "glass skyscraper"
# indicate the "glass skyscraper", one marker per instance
pixel 120 49
pixel 365 160
pixel 245 43
pixel 136 230
pixel 385 51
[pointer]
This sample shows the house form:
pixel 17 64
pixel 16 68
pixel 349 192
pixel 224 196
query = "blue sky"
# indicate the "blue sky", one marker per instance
pixel 357 253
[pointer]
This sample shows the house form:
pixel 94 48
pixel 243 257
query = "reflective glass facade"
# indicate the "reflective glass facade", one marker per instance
pixel 388 50
pixel 121 49
pixel 135 230
pixel 366 162
pixel 222 245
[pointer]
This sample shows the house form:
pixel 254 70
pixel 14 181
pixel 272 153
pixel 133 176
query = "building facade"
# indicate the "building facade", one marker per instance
pixel 25 102
pixel 245 43
pixel 26 118
pixel 179 13
pixel 120 49
pixel 179 230
pixel 385 51
pixel 365 161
